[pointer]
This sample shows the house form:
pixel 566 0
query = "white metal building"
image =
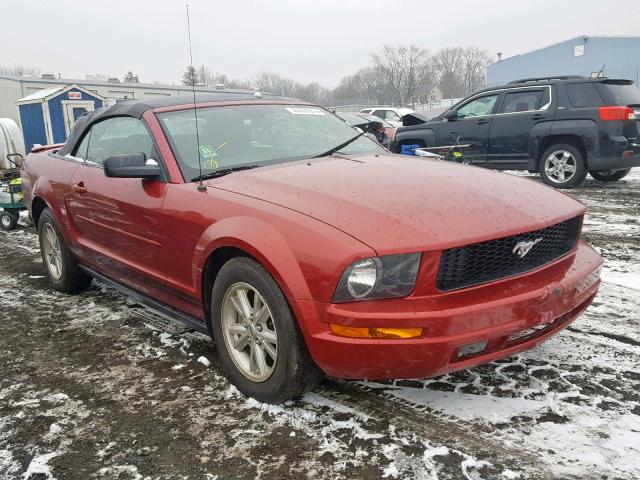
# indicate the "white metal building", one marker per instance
pixel 13 89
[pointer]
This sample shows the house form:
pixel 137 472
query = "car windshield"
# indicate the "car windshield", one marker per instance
pixel 243 135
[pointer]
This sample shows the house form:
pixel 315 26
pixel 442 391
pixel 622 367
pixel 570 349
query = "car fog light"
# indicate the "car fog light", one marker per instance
pixel 588 281
pixel 363 277
pixel 366 332
pixel 471 349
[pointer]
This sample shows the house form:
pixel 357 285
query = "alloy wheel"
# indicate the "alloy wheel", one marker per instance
pixel 249 332
pixel 560 166
pixel 6 221
pixel 52 252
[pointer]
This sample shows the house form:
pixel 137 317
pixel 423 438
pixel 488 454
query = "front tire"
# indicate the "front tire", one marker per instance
pixel 62 267
pixel 562 166
pixel 610 175
pixel 257 336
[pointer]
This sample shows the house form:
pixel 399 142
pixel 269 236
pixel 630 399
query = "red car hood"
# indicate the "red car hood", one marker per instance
pixel 401 204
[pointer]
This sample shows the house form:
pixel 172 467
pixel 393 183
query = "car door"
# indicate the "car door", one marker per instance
pixel 520 117
pixel 472 125
pixel 118 221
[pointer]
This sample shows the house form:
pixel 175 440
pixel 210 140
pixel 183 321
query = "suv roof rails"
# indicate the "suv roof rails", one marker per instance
pixel 555 77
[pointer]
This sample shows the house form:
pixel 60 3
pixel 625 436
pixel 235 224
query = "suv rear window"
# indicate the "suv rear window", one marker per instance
pixel 583 95
pixel 621 93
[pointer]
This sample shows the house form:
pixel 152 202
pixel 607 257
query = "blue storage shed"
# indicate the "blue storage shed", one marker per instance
pixel 616 57
pixel 47 116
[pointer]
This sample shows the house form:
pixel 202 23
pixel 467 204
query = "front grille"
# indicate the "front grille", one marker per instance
pixel 495 259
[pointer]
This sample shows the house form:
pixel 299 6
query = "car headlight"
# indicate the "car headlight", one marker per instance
pixel 378 277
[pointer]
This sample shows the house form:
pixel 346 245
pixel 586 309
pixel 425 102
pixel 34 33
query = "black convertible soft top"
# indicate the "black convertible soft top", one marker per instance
pixel 136 108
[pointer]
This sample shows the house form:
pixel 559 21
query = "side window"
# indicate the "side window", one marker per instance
pixel 379 113
pixel 479 106
pixel 583 95
pixel 546 97
pixel 523 101
pixel 81 150
pixel 391 115
pixel 116 136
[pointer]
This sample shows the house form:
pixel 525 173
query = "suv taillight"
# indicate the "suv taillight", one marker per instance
pixel 616 113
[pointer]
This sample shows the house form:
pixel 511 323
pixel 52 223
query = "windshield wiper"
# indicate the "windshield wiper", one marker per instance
pixel 340 147
pixel 222 172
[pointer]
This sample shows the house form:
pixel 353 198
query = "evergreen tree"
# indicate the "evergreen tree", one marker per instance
pixel 190 76
pixel 131 78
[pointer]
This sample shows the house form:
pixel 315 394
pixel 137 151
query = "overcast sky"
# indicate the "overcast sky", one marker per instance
pixel 318 40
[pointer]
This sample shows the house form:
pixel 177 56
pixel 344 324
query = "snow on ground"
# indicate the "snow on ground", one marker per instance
pixel 93 386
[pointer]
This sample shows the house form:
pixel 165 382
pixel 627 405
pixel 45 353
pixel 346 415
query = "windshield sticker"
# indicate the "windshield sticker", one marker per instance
pixel 207 152
pixel 305 111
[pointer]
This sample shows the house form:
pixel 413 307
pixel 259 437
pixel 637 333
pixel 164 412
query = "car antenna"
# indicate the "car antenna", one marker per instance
pixel 201 186
pixel 601 71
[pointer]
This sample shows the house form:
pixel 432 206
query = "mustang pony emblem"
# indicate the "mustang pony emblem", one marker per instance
pixel 522 248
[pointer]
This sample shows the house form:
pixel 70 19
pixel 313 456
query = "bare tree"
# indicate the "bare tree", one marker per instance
pixel 312 92
pixel 408 70
pixel 475 60
pixel 204 75
pixel 271 82
pixel 402 75
pixel 450 66
pixel 211 79
pixel 16 70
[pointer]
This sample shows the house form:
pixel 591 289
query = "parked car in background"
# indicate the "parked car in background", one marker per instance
pixel 382 130
pixel 562 127
pixel 390 114
pixel 303 247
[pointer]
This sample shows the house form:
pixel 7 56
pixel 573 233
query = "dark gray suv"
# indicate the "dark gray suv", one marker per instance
pixel 562 127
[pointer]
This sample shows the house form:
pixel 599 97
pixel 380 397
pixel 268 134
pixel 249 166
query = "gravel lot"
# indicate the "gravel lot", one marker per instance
pixel 94 386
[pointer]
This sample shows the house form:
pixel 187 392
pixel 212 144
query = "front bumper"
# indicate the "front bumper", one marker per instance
pixel 542 302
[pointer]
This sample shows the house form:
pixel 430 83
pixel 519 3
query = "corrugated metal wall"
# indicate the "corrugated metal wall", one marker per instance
pixel 619 55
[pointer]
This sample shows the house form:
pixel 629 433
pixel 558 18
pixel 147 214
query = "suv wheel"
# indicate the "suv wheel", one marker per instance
pixel 62 266
pixel 562 166
pixel 257 336
pixel 610 175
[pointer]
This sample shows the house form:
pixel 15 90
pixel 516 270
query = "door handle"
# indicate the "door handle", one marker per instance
pixel 79 187
pixel 537 116
pixel 482 121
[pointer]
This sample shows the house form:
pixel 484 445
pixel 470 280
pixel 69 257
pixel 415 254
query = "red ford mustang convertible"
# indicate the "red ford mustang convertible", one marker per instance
pixel 303 247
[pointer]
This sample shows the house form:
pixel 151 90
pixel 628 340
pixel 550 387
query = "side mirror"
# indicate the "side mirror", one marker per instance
pixel 132 165
pixel 450 114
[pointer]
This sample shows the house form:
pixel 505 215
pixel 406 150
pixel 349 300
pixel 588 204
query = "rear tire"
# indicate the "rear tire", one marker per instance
pixel 562 166
pixel 248 341
pixel 62 267
pixel 8 220
pixel 610 175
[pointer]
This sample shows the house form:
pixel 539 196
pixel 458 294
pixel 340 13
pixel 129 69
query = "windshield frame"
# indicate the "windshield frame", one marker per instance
pixel 183 167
